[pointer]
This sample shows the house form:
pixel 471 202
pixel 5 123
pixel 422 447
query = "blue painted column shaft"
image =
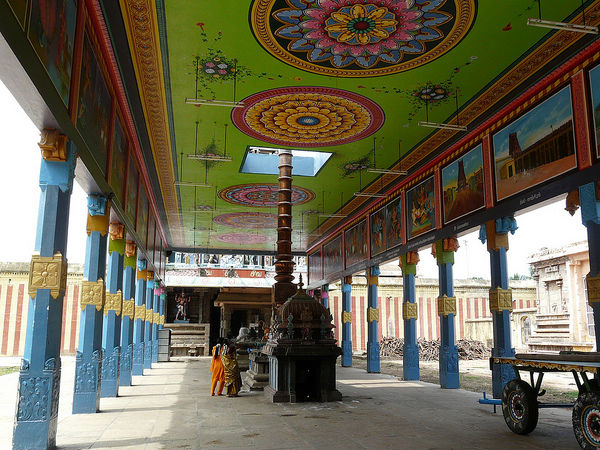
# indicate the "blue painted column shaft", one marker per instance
pixel 88 362
pixel 155 320
pixel 39 379
pixel 590 216
pixel 325 295
pixel 347 321
pixel 127 314
pixel 373 364
pixel 111 329
pixel 148 324
pixel 137 368
pixel 410 353
pixel 447 310
pixel 163 297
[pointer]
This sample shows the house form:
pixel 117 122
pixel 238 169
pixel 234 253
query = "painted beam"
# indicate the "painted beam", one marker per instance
pixel 137 368
pixel 88 362
pixel 36 415
pixel 346 321
pixel 373 360
pixel 410 350
pixel 127 314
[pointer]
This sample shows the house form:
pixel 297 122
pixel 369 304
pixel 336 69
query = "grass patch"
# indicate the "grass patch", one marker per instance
pixel 7 370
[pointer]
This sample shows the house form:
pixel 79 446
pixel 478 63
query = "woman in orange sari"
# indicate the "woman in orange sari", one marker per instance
pixel 218 372
pixel 233 380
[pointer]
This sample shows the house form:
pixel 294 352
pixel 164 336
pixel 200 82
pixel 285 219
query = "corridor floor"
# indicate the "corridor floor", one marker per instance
pixel 171 408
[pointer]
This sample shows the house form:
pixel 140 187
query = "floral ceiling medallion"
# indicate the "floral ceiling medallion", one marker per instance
pixel 263 195
pixel 308 116
pixel 360 38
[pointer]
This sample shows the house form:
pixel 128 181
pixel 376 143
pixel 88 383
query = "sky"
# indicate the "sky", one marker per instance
pixel 549 226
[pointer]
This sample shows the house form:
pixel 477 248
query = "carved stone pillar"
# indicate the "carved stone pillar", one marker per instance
pixel 410 365
pixel 128 314
pixel 373 359
pixel 347 321
pixel 149 319
pixel 137 368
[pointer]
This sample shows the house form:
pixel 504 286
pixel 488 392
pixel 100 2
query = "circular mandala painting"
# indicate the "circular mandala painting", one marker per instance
pixel 266 194
pixel 243 238
pixel 247 220
pixel 360 38
pixel 308 116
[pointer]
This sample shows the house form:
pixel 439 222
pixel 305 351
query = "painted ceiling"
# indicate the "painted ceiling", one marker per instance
pixel 343 76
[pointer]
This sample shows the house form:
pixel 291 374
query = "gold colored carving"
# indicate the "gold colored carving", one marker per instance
pixel 53 145
pixel 446 305
pixel 140 312
pixel 412 258
pixel 156 318
pixel 129 308
pixel 116 230
pixel 346 317
pixel 114 302
pixel 92 293
pixel 560 366
pixel 501 300
pixel 48 272
pixel 99 223
pixel 129 249
pixel 162 320
pixel 149 275
pixel 450 244
pixel 372 314
pixel 372 279
pixel 140 18
pixel 142 274
pixel 593 288
pixel 149 315
pixel 409 311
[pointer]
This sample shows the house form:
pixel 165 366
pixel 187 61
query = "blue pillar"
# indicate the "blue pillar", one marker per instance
pixel 347 321
pixel 496 234
pixel 410 358
pixel 444 251
pixel 88 362
pixel 148 324
pixel 373 365
pixel 155 321
pixel 111 329
pixel 39 378
pixel 163 297
pixel 137 368
pixel 590 216
pixel 127 314
pixel 325 295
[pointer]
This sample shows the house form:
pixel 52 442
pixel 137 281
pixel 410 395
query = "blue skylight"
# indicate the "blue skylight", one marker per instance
pixel 264 160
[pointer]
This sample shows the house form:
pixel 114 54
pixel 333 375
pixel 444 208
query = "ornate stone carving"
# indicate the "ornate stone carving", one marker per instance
pixel 162 319
pixel 33 398
pixel 114 302
pixel 140 312
pixel 53 145
pixel 47 272
pixel 149 315
pixel 116 230
pixel 372 314
pixel 156 318
pixel 409 311
pixel 110 364
pixel 129 249
pixel 92 293
pixel 346 317
pixel 593 288
pixel 450 244
pixel 446 305
pixel 129 308
pixel 86 372
pixel 138 353
pixel 501 300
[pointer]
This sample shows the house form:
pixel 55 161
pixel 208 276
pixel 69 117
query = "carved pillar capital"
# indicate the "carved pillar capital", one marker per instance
pixel 53 145
pixel 98 214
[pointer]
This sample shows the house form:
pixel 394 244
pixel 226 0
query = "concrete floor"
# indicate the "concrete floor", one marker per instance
pixel 171 408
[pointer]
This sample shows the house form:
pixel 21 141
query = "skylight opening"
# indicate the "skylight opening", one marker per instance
pixel 265 160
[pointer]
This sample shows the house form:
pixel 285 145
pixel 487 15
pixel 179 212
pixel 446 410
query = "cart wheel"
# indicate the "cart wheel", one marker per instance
pixel 519 407
pixel 586 420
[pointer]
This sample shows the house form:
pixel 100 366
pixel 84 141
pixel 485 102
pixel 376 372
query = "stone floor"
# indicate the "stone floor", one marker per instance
pixel 171 408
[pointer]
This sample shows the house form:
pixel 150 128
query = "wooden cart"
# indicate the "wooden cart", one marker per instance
pixel 520 404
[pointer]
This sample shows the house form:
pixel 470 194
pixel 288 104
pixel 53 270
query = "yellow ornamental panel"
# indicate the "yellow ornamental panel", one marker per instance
pixel 501 300
pixel 140 312
pixel 114 302
pixel 372 314
pixel 593 288
pixel 162 320
pixel 149 315
pixel 92 293
pixel 47 272
pixel 346 317
pixel 129 308
pixel 409 311
pixel 156 318
pixel 446 305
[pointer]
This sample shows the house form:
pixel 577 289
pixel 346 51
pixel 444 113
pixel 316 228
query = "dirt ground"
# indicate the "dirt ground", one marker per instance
pixel 476 376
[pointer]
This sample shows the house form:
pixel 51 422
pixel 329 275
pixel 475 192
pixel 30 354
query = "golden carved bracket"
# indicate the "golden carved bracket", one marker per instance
pixel 92 293
pixel 129 308
pixel 593 288
pixel 140 312
pixel 446 305
pixel 114 302
pixel 48 272
pixel 501 300
pixel 372 314
pixel 410 311
pixel 53 145
pixel 346 317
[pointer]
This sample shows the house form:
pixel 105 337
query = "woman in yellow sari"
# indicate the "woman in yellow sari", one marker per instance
pixel 218 373
pixel 233 380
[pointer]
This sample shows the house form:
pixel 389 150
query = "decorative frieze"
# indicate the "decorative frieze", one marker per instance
pixel 446 305
pixel 114 302
pixel 501 300
pixel 372 314
pixel 92 293
pixel 409 311
pixel 48 272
